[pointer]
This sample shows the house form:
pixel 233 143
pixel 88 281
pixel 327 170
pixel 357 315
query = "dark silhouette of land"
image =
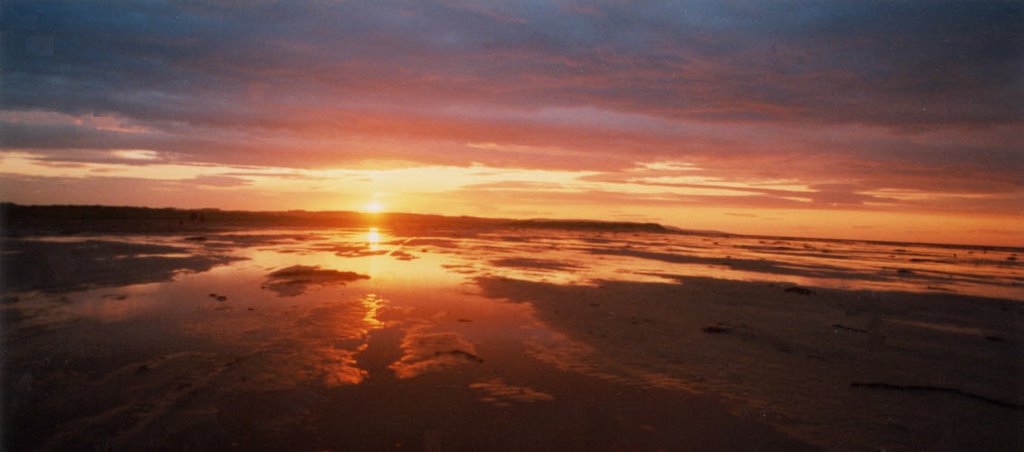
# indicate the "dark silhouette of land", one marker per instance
pixel 72 219
pixel 17 219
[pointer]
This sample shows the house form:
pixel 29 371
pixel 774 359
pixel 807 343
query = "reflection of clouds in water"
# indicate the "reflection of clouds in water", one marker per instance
pixel 641 335
pixel 823 263
pixel 496 391
pixel 359 250
pixel 437 243
pixel 644 336
pixel 424 351
pixel 326 340
pixel 41 309
pixel 320 345
pixel 534 264
pixel 463 269
pixel 286 365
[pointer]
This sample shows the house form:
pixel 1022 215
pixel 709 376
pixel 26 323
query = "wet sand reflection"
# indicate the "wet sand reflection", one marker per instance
pixel 267 338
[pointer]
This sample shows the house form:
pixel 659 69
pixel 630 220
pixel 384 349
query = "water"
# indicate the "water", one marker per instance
pixel 374 339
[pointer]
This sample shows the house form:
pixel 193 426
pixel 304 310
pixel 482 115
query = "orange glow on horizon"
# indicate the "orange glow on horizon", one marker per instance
pixel 674 193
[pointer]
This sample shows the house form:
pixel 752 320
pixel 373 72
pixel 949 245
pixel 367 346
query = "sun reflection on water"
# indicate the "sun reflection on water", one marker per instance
pixel 373 239
pixel 372 303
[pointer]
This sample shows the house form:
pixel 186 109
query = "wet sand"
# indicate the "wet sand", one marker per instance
pixel 507 338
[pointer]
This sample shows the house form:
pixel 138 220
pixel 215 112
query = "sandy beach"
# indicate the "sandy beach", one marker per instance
pixel 442 338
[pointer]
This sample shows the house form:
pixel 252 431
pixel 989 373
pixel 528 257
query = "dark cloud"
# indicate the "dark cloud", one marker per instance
pixel 910 63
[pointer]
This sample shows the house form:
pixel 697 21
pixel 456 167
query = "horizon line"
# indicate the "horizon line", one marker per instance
pixel 667 228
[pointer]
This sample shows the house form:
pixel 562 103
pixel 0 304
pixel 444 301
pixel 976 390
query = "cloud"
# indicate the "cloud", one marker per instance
pixel 853 104
pixel 905 63
pixel 218 181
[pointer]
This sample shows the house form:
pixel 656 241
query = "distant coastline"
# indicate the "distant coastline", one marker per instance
pixel 71 219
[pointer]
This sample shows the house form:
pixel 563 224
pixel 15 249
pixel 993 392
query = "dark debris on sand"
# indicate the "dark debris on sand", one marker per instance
pixel 840 327
pixel 716 329
pixel 461 354
pixel 800 290
pixel 937 389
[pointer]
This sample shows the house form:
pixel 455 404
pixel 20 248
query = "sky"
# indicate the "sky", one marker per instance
pixel 851 119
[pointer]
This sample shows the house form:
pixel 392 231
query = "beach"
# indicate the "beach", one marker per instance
pixel 454 337
pixel 529 226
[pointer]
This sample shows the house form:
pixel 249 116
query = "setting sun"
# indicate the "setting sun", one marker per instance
pixel 373 207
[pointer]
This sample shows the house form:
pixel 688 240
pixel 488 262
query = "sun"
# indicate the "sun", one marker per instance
pixel 373 207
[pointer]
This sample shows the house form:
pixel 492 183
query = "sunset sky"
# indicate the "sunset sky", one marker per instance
pixel 889 121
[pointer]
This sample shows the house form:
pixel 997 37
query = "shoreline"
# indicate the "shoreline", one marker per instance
pixel 20 219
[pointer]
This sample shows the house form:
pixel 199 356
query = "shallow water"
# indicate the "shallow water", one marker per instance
pixel 370 339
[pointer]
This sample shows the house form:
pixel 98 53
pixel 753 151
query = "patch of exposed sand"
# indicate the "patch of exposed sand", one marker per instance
pixel 294 280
